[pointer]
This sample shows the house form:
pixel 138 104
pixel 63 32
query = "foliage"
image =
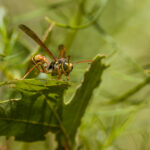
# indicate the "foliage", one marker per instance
pixel 41 107
pixel 116 114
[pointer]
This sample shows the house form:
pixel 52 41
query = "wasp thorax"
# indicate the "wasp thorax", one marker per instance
pixel 62 64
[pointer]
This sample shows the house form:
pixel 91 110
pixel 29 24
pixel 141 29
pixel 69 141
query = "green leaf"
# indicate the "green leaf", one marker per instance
pixel 30 118
pixel 41 109
pixel 74 111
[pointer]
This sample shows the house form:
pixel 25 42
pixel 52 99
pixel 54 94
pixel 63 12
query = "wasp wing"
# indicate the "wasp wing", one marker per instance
pixel 30 33
pixel 62 51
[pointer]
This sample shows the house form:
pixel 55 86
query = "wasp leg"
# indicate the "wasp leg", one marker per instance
pixel 44 69
pixel 29 65
pixel 59 73
pixel 34 63
pixel 27 73
pixel 38 67
pixel 68 77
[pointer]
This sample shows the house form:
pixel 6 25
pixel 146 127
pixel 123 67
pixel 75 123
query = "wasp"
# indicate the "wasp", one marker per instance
pixel 57 66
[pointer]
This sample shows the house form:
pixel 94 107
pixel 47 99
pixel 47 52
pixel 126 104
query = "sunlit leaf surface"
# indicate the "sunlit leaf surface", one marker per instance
pixel 30 118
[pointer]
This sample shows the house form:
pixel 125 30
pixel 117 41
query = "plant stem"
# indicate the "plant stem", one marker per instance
pixel 131 92
pixel 76 27
pixel 40 11
pixel 68 142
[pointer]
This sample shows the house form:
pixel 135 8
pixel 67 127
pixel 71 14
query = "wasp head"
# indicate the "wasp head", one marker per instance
pixel 67 67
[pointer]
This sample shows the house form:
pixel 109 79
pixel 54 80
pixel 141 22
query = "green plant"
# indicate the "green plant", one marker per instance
pixel 117 116
pixel 41 108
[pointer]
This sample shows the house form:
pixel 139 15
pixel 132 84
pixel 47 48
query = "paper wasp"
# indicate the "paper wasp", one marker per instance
pixel 57 66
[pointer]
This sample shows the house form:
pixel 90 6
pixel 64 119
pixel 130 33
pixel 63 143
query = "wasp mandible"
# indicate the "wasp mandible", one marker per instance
pixel 57 66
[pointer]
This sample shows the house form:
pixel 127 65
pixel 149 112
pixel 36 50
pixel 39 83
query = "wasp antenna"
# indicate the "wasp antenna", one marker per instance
pixel 84 61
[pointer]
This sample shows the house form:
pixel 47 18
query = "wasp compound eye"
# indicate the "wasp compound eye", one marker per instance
pixel 65 66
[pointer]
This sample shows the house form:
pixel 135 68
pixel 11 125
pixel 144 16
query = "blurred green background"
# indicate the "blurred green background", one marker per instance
pixel 121 32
